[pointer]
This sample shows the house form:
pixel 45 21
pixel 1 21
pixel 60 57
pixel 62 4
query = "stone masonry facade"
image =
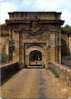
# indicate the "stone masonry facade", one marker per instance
pixel 36 37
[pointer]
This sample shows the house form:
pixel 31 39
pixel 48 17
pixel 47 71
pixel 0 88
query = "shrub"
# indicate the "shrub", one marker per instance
pixel 4 57
pixel 55 71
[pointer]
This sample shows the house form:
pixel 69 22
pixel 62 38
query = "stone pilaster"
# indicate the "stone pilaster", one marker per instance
pixel 45 57
pixel 24 54
pixel 52 46
pixel 58 46
pixel 10 46
pixel 21 54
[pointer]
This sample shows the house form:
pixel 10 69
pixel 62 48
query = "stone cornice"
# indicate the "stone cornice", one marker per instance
pixel 60 22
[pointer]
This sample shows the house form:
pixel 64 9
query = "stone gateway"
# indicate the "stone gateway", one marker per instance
pixel 36 37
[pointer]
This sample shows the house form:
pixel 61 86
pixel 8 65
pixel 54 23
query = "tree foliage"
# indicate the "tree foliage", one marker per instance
pixel 66 29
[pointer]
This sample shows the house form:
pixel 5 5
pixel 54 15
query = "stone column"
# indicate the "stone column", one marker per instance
pixel 58 46
pixel 47 51
pixel 24 55
pixel 21 49
pixel 52 46
pixel 47 56
pixel 10 46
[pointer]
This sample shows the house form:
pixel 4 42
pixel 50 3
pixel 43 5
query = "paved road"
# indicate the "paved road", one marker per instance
pixel 27 84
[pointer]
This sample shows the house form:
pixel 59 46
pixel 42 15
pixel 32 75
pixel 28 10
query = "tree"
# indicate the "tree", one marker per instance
pixel 66 29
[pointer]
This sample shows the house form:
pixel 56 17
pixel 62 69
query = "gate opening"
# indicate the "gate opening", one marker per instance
pixel 35 58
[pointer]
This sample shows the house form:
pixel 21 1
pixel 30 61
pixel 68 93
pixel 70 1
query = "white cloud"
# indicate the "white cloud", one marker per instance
pixel 63 6
pixel 66 15
pixel 52 5
pixel 46 5
pixel 4 9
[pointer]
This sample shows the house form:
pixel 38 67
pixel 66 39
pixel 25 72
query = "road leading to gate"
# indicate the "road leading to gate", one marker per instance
pixel 27 84
pixel 31 84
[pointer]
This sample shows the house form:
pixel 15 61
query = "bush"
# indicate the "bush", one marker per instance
pixel 55 71
pixel 4 57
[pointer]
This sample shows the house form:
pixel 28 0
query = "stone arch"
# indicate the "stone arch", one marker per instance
pixel 35 57
pixel 32 49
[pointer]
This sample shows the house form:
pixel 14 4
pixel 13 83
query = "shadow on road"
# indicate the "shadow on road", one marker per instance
pixel 7 72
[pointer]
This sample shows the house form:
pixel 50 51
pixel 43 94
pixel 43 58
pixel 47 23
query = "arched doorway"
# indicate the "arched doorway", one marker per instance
pixel 35 58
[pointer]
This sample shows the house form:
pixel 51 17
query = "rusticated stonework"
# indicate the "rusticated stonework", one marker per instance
pixel 37 37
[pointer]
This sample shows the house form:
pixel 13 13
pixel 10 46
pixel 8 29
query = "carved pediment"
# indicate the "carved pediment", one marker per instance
pixel 33 29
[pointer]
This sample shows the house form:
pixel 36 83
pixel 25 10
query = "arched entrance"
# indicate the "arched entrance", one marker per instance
pixel 35 58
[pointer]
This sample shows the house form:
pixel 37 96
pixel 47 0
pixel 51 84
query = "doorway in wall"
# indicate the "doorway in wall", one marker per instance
pixel 35 58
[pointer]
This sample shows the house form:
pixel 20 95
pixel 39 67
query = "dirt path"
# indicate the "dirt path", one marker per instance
pixel 32 84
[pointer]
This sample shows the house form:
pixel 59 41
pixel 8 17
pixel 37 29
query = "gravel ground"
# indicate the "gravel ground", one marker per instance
pixel 34 84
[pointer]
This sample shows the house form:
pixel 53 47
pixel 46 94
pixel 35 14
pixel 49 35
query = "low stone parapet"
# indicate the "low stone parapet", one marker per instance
pixel 8 70
pixel 61 71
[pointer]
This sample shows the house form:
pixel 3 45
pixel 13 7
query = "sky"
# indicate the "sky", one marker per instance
pixel 63 6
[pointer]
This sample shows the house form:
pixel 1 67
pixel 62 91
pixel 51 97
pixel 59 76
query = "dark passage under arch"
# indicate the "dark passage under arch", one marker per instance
pixel 35 57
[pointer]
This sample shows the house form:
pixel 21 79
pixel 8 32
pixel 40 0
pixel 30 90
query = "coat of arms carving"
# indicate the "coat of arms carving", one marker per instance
pixel 35 27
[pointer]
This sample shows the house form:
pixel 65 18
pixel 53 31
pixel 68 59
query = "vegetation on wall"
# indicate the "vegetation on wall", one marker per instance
pixel 4 56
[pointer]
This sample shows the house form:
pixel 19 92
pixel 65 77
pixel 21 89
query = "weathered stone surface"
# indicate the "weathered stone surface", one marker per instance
pixel 36 31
